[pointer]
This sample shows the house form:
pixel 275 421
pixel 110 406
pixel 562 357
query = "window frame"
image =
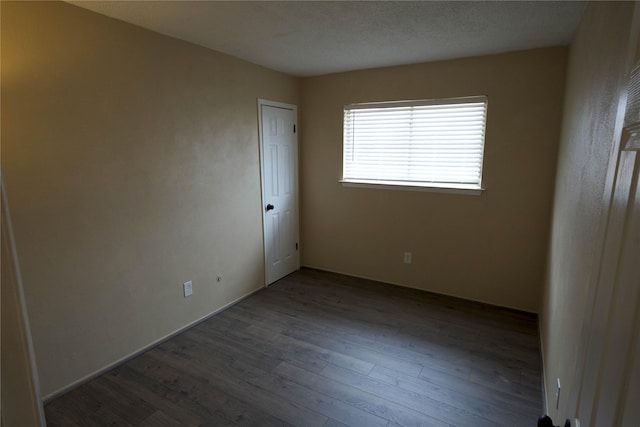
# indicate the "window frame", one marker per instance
pixel 429 186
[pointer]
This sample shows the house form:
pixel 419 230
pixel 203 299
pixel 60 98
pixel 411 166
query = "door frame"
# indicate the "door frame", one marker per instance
pixel 294 108
pixel 26 375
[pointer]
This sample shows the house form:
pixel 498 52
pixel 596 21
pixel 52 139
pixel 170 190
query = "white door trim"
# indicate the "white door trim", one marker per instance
pixel 32 379
pixel 294 108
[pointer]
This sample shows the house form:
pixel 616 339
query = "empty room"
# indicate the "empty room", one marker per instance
pixel 301 213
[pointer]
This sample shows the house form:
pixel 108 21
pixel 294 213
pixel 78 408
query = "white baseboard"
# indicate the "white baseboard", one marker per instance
pixel 545 409
pixel 138 352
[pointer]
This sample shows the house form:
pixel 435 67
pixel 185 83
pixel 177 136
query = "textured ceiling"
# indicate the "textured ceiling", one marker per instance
pixel 305 38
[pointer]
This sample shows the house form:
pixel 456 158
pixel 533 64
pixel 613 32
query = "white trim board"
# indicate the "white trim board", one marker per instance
pixel 51 396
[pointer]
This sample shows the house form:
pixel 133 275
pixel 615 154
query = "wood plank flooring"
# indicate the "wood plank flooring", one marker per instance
pixel 323 349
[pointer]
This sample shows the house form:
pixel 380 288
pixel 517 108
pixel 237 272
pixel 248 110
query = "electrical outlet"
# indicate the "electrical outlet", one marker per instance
pixel 407 257
pixel 188 288
pixel 558 394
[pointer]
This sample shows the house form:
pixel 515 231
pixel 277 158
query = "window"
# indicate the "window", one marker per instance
pixel 432 143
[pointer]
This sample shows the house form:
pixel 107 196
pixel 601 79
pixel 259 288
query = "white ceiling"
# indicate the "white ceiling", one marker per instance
pixel 306 38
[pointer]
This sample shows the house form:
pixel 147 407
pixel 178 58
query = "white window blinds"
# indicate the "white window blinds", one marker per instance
pixel 416 143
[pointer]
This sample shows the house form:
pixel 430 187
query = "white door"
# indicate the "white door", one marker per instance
pixel 612 363
pixel 279 161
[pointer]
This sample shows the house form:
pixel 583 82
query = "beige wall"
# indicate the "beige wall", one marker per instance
pixel 131 165
pixel 587 157
pixel 490 248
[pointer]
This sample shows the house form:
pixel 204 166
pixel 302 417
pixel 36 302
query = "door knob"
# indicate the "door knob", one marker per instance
pixel 269 207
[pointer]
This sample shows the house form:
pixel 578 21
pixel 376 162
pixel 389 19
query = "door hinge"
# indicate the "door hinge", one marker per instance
pixel 294 128
pixel 296 246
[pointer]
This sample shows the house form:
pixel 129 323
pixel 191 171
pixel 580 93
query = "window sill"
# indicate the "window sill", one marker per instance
pixel 469 190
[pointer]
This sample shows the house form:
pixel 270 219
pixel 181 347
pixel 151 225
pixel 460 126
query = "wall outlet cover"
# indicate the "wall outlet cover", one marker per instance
pixel 188 288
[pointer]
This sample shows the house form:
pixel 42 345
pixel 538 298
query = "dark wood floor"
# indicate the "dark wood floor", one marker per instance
pixel 322 349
